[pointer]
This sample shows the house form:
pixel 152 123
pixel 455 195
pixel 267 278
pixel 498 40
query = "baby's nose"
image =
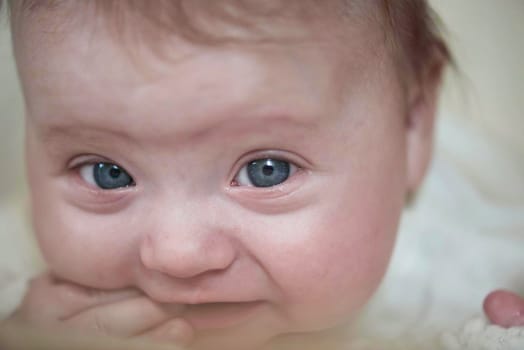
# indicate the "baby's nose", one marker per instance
pixel 187 254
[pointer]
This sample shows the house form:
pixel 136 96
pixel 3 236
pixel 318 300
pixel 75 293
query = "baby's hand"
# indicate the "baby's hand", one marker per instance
pixel 57 305
pixel 505 309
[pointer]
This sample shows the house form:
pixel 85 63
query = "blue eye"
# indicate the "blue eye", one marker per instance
pixel 265 173
pixel 107 176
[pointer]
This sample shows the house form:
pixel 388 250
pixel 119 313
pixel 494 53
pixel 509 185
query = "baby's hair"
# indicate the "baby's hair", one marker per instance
pixel 410 26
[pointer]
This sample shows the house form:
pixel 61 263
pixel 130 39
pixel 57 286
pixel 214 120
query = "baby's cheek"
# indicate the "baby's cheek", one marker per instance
pixel 339 290
pixel 89 249
pixel 338 264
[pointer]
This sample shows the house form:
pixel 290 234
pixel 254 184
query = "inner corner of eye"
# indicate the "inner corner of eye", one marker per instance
pixel 241 178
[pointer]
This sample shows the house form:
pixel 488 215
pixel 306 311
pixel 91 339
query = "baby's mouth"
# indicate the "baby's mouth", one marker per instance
pixel 220 315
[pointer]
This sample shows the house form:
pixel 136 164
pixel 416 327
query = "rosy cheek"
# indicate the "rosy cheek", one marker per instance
pixel 334 259
pixel 85 248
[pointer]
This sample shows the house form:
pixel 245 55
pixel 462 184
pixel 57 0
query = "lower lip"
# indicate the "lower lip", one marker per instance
pixel 220 315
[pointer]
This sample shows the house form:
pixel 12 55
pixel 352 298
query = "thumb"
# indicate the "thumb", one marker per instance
pixel 505 309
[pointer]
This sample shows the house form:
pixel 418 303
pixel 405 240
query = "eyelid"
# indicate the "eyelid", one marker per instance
pixel 79 161
pixel 87 159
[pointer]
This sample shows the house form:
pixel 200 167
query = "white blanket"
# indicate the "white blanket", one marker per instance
pixel 456 244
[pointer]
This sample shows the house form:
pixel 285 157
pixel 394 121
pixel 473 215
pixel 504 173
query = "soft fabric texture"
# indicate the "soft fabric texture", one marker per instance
pixel 456 244
pixel 477 334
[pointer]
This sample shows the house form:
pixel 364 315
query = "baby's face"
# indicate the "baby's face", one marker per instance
pixel 268 178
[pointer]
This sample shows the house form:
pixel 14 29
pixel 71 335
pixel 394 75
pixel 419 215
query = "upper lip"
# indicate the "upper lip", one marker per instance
pixel 195 298
pixel 198 300
pixel 195 295
pixel 201 290
pixel 221 304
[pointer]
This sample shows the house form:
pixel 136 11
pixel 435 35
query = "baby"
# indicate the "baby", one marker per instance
pixel 221 174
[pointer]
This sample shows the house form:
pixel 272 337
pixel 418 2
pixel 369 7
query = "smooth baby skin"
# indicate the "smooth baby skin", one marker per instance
pixel 248 264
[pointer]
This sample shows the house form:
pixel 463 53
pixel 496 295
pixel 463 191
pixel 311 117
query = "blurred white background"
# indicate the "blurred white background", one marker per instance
pixel 487 38
pixel 11 122
pixel 487 96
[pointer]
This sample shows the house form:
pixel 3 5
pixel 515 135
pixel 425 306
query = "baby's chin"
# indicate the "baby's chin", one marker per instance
pixel 234 339
pixel 257 336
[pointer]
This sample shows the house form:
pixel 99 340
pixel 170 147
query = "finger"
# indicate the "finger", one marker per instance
pixel 175 331
pixel 78 299
pixel 41 302
pixel 125 318
pixel 504 308
pixel 50 299
pixel 14 337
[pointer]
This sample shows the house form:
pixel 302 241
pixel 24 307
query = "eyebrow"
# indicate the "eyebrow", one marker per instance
pixel 58 138
pixel 51 132
pixel 94 134
pixel 243 125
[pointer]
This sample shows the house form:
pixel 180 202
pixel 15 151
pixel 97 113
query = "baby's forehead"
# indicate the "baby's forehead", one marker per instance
pixel 207 89
pixel 200 22
pixel 407 28
pixel 82 59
